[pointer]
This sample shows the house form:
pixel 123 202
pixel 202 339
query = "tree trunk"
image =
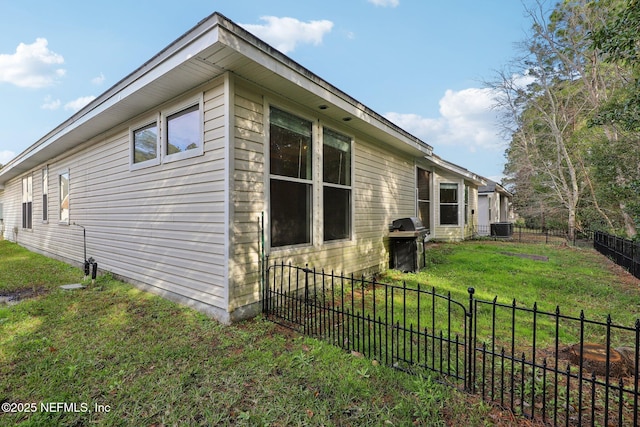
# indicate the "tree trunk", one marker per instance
pixel 594 359
pixel 629 224
pixel 572 224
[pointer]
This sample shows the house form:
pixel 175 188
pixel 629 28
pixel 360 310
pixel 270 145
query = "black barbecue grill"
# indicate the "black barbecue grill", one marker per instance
pixel 406 241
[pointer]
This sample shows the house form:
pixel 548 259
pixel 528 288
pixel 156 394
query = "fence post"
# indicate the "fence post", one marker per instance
pixel 470 380
pixel 306 298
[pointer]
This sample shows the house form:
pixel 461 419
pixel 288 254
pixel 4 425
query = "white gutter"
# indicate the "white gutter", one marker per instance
pixel 459 170
pixel 168 59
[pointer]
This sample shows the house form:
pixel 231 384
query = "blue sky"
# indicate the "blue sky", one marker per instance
pixel 419 63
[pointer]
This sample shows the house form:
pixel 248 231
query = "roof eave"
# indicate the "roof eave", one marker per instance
pixel 215 30
pixel 196 39
pixel 458 170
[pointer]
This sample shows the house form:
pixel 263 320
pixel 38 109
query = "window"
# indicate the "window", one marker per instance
pixel 174 134
pixel 448 204
pixel 183 133
pixel 145 145
pixel 466 204
pixel 27 201
pixel 45 195
pixel 423 184
pixel 291 187
pixel 336 176
pixel 64 197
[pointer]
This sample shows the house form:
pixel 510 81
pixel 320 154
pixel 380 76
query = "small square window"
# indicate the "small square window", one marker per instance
pixel 183 135
pixel 183 130
pixel 145 143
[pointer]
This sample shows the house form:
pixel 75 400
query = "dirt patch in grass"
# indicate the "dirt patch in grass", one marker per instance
pixel 527 256
pixel 15 296
pixel 626 279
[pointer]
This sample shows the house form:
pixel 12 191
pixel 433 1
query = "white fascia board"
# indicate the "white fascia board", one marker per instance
pixel 305 79
pixel 155 72
pixel 500 189
pixel 163 63
pixel 458 170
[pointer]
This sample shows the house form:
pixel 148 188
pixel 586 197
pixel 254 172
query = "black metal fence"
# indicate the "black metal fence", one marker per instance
pixel 531 361
pixel 522 234
pixel 623 252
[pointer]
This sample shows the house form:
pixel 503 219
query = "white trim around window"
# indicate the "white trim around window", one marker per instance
pixel 449 204
pixel 64 195
pixel 144 149
pixel 172 134
pixel 45 194
pixel 183 130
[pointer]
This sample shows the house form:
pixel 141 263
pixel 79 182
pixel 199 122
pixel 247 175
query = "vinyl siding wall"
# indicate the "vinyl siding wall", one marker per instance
pixel 462 229
pixel 161 226
pixel 383 189
pixel 248 198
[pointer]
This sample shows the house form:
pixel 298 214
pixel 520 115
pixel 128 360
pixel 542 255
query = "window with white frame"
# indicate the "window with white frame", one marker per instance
pixel 145 147
pixel 63 180
pixel 183 131
pixel 290 178
pixel 423 193
pixel 448 204
pixel 336 177
pixel 175 133
pixel 45 194
pixel 27 202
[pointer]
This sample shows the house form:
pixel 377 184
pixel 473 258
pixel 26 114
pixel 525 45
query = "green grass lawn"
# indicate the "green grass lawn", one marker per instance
pixel 574 281
pixel 118 356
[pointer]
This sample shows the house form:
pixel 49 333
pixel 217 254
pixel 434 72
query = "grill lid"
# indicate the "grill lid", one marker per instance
pixel 407 224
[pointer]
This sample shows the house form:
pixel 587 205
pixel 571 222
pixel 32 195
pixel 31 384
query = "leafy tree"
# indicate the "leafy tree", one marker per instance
pixel 617 42
pixel 556 162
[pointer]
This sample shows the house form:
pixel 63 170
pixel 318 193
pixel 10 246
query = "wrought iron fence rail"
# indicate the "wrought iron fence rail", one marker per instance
pixel 623 252
pixel 476 347
pixel 557 315
pixel 344 311
pixel 525 386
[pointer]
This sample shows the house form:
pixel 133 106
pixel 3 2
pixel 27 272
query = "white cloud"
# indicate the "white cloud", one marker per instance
pixel 50 104
pixel 98 80
pixel 5 156
pixel 385 3
pixel 77 104
pixel 32 65
pixel 466 120
pixel 286 33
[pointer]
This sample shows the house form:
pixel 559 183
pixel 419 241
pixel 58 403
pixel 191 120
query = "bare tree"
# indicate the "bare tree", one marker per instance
pixel 546 101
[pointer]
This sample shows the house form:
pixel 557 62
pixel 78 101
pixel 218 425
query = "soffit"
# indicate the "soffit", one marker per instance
pixel 213 47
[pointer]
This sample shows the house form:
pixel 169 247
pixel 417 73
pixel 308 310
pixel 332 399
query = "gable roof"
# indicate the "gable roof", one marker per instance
pixel 216 45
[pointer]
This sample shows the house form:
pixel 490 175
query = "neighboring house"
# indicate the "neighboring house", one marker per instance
pixel 170 171
pixel 494 206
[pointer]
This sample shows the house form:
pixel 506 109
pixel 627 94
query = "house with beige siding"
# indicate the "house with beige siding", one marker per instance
pixel 173 172
pixel 494 207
